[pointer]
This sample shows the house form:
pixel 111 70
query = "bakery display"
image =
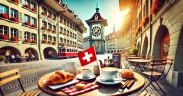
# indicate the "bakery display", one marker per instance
pixel 59 77
pixel 127 74
pixel 80 86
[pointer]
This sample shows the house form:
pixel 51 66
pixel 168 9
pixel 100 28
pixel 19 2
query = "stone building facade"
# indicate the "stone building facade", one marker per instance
pixel 158 29
pixel 38 27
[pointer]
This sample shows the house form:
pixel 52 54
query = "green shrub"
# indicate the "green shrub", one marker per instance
pixel 134 51
pixel 2 58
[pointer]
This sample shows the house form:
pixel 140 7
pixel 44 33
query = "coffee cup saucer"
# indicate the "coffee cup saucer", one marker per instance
pixel 80 76
pixel 116 80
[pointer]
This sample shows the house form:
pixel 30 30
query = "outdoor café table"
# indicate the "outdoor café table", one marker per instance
pixel 140 62
pixel 103 90
pixel 134 57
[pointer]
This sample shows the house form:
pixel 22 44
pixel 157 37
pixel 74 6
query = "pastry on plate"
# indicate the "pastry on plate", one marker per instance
pixel 127 74
pixel 59 77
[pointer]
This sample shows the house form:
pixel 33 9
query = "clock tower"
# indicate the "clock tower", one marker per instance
pixel 97 28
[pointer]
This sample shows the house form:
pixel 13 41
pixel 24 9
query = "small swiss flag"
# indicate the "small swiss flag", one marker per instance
pixel 87 56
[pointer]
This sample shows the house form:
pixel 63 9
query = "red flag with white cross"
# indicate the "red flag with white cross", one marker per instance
pixel 87 56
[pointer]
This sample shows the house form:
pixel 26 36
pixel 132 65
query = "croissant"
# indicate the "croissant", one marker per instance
pixel 59 78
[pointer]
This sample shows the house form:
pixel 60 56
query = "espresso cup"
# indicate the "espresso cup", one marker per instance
pixel 109 73
pixel 86 73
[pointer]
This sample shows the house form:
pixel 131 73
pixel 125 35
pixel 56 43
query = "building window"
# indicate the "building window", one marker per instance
pixel 54 39
pixel 44 37
pixel 49 38
pixel 44 24
pixel 49 26
pixel 33 5
pixel 26 2
pixel 61 40
pixel 43 9
pixel 67 41
pixel 67 32
pixel 33 37
pixel 54 16
pixel 68 23
pixel 70 33
pixel 61 29
pixel 64 40
pixel 65 21
pixel 27 35
pixel 54 27
pixel 49 14
pixel 26 18
pixel 61 18
pixel 3 9
pixel 14 32
pixel 3 30
pixel 33 21
pixel 14 13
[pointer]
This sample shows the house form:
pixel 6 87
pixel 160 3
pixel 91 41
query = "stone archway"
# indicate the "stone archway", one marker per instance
pixel 32 51
pixel 145 46
pixel 10 49
pixel 159 44
pixel 49 52
pixel 139 46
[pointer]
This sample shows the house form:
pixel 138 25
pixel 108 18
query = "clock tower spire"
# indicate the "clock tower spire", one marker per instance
pixel 97 28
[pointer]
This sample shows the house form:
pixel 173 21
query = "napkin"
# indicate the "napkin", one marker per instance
pixel 71 90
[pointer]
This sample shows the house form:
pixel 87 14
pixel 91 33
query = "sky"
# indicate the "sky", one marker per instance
pixel 109 9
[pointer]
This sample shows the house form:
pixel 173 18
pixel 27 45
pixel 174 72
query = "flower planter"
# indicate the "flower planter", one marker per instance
pixel 14 39
pixel 34 42
pixel 44 13
pixel 27 41
pixel 44 28
pixel 27 6
pixel 156 6
pixel 44 41
pixel 50 29
pixel 54 43
pixel 54 31
pixel 144 21
pixel 34 25
pixel 27 23
pixel 34 9
pixel 4 37
pixel 5 16
pixel 49 42
pixel 14 19
pixel 49 16
pixel 54 18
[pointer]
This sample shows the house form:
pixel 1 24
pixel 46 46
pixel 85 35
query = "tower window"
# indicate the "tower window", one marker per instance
pixel 96 17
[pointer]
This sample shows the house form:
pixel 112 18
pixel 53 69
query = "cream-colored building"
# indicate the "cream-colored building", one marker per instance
pixel 38 27
pixel 112 42
pixel 155 27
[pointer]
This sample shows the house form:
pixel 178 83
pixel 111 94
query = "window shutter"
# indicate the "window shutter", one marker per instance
pixel 20 1
pixel 20 16
pixel 20 35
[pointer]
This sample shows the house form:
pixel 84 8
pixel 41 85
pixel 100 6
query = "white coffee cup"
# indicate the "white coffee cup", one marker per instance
pixel 108 73
pixel 86 73
pixel 69 67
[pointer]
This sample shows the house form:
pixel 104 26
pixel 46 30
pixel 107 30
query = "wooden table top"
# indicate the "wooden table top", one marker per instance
pixel 102 91
pixel 134 57
pixel 140 60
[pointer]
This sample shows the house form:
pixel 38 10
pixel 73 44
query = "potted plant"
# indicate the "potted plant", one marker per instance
pixel 54 31
pixel 3 15
pixel 53 42
pixel 49 29
pixel 34 25
pixel 15 1
pixel 44 41
pixel 14 19
pixel 27 40
pixel 34 9
pixel 34 41
pixel 134 51
pixel 44 13
pixel 15 39
pixel 44 28
pixel 2 59
pixel 27 6
pixel 27 23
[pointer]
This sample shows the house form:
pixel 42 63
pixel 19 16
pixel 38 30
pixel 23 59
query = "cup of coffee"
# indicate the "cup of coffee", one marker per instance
pixel 86 73
pixel 109 73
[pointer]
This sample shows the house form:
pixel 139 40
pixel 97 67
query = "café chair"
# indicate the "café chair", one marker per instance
pixel 158 70
pixel 12 75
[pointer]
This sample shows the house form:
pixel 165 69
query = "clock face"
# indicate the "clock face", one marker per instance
pixel 96 31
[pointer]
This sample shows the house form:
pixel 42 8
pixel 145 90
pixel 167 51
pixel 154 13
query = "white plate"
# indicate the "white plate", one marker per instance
pixel 79 76
pixel 116 81
pixel 63 85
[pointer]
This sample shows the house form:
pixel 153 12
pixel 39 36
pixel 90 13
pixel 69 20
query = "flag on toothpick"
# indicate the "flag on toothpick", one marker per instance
pixel 87 56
